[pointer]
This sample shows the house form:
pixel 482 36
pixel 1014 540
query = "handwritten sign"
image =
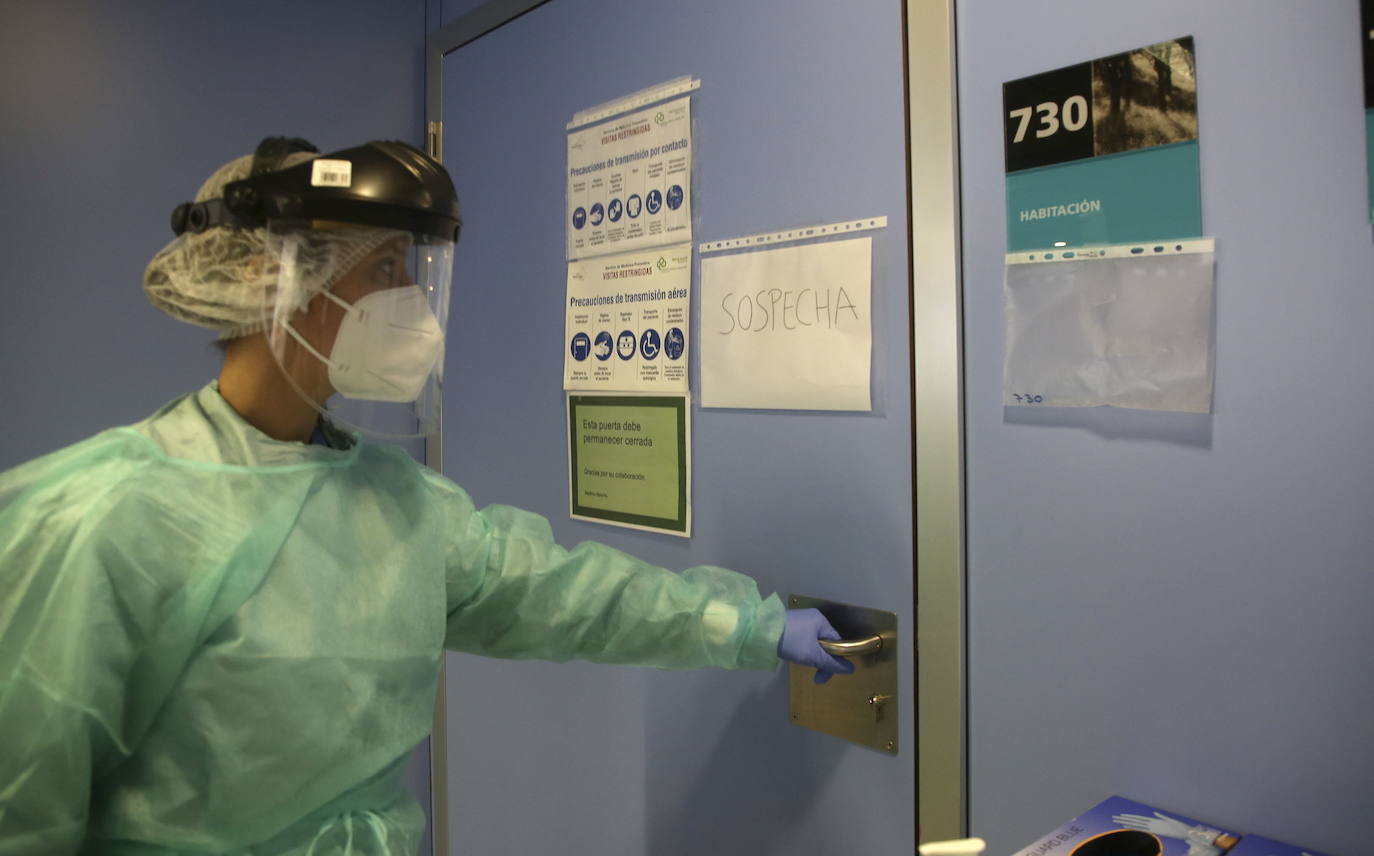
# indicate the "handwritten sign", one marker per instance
pixel 788 328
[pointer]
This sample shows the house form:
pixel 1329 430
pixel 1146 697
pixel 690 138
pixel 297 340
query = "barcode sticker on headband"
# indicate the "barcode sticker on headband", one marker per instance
pixel 331 173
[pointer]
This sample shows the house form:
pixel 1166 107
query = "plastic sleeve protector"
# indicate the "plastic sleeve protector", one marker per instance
pixel 513 592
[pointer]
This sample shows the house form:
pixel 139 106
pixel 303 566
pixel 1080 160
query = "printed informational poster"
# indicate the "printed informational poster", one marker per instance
pixel 630 181
pixel 626 323
pixel 1104 152
pixel 1367 31
pixel 628 459
pixel 789 328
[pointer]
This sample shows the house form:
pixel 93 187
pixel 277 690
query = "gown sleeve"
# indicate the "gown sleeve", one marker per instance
pixel 513 592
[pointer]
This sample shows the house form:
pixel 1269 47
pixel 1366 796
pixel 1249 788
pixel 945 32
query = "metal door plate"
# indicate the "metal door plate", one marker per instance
pixel 862 707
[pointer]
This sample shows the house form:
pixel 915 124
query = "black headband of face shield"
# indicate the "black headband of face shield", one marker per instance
pixel 391 185
pixel 269 156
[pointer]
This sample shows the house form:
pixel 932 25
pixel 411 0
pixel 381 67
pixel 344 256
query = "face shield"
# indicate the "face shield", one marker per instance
pixel 357 323
pixel 355 264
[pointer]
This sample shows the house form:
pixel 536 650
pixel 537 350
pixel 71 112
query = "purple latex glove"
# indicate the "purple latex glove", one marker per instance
pixel 802 631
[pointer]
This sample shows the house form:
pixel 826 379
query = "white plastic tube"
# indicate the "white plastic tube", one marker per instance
pixel 958 847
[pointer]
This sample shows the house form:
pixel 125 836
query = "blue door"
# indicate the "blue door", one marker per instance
pixel 799 121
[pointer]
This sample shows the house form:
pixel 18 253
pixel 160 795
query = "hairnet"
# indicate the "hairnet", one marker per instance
pixel 223 278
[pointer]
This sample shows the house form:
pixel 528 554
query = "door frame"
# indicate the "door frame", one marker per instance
pixel 934 265
pixel 446 39
pixel 937 419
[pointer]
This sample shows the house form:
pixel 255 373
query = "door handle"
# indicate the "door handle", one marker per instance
pixel 861 707
pixel 852 647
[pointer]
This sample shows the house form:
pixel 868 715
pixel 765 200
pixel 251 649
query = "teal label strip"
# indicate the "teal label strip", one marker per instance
pixel 1151 194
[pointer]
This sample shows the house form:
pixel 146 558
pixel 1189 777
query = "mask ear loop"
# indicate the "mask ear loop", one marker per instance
pixel 286 303
pixel 295 334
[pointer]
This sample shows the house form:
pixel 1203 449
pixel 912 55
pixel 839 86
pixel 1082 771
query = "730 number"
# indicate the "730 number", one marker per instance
pixel 1072 117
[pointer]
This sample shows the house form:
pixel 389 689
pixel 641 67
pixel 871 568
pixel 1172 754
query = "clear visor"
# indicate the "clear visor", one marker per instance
pixel 357 322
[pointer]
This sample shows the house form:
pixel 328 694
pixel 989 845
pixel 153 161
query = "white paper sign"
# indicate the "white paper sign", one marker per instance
pixel 788 328
pixel 626 326
pixel 629 181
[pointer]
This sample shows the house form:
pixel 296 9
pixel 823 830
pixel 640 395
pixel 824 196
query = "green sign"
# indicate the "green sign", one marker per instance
pixel 628 460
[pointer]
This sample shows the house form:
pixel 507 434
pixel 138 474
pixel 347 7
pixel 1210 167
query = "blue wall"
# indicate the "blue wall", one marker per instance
pixel 112 114
pixel 1169 607
pixel 456 8
pixel 581 759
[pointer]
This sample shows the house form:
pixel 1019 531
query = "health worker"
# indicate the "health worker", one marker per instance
pixel 221 628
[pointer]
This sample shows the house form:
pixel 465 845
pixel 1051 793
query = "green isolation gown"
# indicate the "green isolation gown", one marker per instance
pixel 215 642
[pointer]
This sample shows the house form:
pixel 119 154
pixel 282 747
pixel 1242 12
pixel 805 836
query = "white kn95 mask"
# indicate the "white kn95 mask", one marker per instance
pixel 388 343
